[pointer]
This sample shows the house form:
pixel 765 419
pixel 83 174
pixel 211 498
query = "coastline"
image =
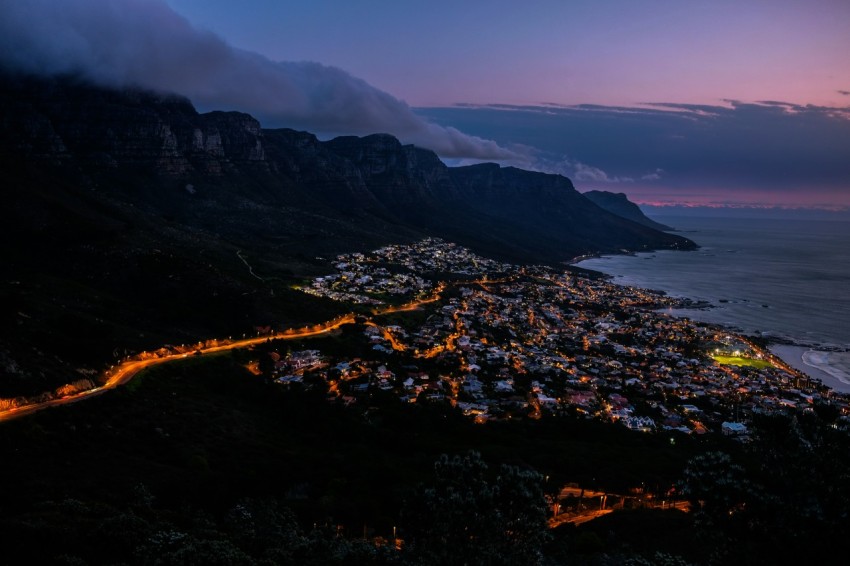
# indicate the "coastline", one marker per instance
pixel 830 366
pixel 757 278
pixel 817 364
pixel 812 362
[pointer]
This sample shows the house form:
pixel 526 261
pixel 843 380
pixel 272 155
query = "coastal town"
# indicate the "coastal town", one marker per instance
pixel 508 342
pixel 433 322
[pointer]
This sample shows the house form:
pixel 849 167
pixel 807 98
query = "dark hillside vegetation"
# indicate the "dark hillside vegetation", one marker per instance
pixel 204 457
pixel 183 445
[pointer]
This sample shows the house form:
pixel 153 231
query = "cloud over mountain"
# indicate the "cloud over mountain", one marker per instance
pixel 145 43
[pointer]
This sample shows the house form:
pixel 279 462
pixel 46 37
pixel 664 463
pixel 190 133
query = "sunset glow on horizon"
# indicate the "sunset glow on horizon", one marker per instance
pixel 739 198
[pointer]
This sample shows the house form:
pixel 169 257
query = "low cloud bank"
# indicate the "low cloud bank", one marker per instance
pixel 145 43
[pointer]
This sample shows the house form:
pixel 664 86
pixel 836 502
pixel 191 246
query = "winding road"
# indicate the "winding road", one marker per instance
pixel 128 369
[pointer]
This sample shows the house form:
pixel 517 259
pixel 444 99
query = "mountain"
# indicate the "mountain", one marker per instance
pixel 619 204
pixel 130 220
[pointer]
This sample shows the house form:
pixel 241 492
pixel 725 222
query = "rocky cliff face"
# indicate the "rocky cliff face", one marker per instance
pixel 59 121
pixel 404 178
pixel 562 218
pixel 619 204
pixel 231 163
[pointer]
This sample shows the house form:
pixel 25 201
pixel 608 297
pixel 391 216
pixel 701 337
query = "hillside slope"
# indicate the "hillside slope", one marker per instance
pixel 619 204
pixel 130 220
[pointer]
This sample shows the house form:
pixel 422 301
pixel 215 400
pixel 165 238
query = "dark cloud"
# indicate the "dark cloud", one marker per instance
pixel 844 92
pixel 769 146
pixel 145 43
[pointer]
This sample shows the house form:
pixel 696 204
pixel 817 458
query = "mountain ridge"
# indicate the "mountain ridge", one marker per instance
pixel 129 214
pixel 163 136
pixel 619 204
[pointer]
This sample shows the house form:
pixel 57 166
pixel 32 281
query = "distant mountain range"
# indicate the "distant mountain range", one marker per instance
pixel 124 212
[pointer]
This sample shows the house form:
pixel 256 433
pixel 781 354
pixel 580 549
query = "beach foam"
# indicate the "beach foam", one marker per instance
pixel 836 364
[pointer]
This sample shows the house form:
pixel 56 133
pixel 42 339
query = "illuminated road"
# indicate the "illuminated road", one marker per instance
pixel 578 519
pixel 413 305
pixel 596 504
pixel 127 370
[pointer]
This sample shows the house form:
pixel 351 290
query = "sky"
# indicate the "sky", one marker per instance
pixel 688 102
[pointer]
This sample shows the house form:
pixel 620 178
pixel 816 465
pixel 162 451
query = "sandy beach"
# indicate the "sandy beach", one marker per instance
pixel 832 368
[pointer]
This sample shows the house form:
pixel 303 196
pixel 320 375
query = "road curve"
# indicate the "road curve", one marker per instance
pixel 130 368
pixel 127 370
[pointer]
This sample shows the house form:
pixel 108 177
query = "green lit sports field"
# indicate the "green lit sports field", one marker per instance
pixel 739 361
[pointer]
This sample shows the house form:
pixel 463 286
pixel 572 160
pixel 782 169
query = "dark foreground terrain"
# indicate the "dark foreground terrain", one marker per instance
pixel 183 446
pixel 202 461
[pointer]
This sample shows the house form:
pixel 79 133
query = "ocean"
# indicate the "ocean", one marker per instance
pixel 778 278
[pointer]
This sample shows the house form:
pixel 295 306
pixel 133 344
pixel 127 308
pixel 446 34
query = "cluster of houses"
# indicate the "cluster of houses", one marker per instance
pixel 397 271
pixel 522 342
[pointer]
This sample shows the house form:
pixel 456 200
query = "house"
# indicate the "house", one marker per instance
pixel 733 429
pixel 546 401
pixel 472 385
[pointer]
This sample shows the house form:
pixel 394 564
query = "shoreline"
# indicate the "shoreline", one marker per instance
pixel 812 359
pixel 823 354
pixel 814 363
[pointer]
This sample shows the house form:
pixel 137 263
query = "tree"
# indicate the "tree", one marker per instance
pixel 257 526
pixel 716 488
pixel 266 365
pixel 469 515
pixel 784 498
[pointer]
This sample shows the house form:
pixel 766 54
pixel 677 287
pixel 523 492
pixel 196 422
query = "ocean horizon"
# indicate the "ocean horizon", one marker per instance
pixel 783 279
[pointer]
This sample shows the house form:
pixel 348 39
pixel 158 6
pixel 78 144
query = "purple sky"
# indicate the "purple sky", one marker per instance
pixel 613 52
pixel 668 101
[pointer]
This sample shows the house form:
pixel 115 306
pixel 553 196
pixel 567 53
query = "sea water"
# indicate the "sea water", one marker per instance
pixel 787 279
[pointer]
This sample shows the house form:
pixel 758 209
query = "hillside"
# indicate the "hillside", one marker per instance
pixel 619 204
pixel 130 220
